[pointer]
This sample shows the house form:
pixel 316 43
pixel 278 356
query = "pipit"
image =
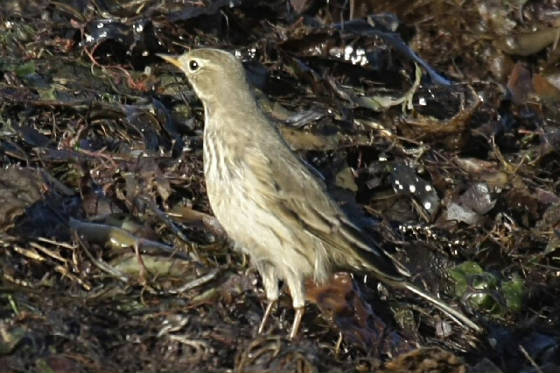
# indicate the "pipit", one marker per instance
pixel 270 203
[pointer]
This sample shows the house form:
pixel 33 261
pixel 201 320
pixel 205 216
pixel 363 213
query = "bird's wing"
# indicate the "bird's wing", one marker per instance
pixel 300 198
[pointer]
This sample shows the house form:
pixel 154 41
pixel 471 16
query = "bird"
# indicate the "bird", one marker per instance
pixel 270 202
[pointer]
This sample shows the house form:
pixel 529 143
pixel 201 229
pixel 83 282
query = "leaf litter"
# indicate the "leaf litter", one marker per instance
pixel 435 124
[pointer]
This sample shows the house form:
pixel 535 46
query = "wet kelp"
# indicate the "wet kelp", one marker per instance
pixel 435 123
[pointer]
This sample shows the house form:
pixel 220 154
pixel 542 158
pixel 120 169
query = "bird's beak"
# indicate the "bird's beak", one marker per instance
pixel 174 60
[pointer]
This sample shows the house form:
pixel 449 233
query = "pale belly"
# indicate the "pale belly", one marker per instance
pixel 250 224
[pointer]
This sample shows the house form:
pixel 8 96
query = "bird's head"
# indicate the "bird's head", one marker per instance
pixel 213 73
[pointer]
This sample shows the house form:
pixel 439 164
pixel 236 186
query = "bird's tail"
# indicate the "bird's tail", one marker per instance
pixel 457 316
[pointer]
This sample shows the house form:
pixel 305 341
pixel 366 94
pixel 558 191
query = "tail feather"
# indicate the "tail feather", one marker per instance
pixel 457 316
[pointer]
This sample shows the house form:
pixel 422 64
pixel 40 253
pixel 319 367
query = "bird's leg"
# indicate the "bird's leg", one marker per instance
pixel 297 322
pixel 265 316
pixel 295 283
pixel 270 282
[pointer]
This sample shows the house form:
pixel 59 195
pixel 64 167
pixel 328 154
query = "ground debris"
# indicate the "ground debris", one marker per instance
pixel 435 123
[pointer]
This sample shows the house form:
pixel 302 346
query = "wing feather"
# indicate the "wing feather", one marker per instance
pixel 300 199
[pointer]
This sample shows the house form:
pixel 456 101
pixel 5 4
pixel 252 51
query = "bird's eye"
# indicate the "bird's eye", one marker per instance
pixel 193 65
